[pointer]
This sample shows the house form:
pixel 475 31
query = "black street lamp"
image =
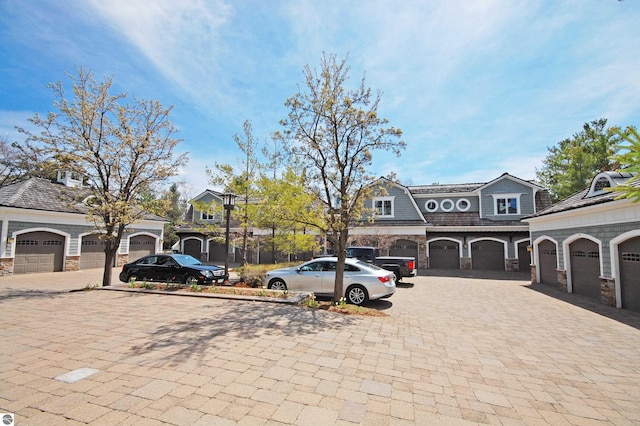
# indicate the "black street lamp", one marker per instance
pixel 228 202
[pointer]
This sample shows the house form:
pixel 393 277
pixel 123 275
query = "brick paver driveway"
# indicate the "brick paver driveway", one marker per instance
pixel 452 350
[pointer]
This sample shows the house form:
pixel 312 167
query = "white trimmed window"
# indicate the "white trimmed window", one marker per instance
pixel 506 204
pixel 446 205
pixel 463 204
pixel 208 215
pixel 431 205
pixel 383 206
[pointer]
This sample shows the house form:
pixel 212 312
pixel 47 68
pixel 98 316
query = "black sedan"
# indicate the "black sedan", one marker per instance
pixel 180 268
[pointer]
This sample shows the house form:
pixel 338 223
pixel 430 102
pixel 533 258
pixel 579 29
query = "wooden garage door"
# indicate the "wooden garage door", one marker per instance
pixel 92 252
pixel 216 252
pixel 39 252
pixel 444 255
pixel 404 248
pixel 140 246
pixel 629 261
pixel 585 268
pixel 548 262
pixel 487 255
pixel 524 257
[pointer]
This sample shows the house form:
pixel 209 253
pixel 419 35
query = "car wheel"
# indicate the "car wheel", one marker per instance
pixel 277 284
pixel 357 295
pixel 191 280
pixel 398 275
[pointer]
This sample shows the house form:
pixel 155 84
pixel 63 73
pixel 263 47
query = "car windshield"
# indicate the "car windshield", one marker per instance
pixel 186 260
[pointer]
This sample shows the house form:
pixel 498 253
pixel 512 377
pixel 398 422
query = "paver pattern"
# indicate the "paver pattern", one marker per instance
pixel 453 350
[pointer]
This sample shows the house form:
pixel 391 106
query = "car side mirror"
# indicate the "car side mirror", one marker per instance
pixel 298 270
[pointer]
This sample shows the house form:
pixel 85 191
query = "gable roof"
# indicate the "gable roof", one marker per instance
pixel 460 188
pixel 505 175
pixel 385 181
pixel 44 195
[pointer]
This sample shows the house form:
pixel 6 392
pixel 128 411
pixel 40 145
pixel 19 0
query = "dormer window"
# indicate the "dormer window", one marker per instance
pixel 605 180
pixel 383 206
pixel 208 215
pixel 506 204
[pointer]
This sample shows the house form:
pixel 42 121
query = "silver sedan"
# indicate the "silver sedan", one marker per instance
pixel 362 281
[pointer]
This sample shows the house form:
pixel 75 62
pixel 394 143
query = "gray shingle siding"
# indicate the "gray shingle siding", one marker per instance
pixel 603 233
pixel 73 230
pixel 507 186
pixel 473 200
pixel 403 208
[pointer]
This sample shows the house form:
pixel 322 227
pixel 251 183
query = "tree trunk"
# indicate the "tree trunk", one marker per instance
pixel 110 251
pixel 341 253
pixel 108 267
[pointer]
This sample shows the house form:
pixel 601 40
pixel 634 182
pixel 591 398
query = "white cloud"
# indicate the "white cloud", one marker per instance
pixel 181 39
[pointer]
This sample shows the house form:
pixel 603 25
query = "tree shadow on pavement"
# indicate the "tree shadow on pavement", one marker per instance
pixel 237 322
pixel 7 294
pixel 624 316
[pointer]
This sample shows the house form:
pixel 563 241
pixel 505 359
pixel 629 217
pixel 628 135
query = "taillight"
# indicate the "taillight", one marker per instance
pixel 385 279
pixel 411 265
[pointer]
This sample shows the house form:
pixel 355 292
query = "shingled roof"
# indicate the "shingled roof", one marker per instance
pixel 582 199
pixel 44 195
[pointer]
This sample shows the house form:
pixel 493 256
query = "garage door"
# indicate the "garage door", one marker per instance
pixel 216 252
pixel 92 252
pixel 405 248
pixel 193 247
pixel 629 261
pixel 548 262
pixel 140 246
pixel 524 257
pixel 487 255
pixel 444 255
pixel 585 268
pixel 39 252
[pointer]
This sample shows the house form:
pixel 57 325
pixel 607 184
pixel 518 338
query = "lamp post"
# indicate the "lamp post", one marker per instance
pixel 228 202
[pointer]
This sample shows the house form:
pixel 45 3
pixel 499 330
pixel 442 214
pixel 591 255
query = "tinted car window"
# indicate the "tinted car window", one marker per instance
pixel 148 260
pixel 350 268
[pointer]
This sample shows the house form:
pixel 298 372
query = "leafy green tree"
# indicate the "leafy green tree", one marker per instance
pixel 121 148
pixel 289 210
pixel 629 157
pixel 242 182
pixel 166 204
pixel 332 131
pixel 570 166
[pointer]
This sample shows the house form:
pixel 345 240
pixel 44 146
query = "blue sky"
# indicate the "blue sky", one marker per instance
pixel 479 87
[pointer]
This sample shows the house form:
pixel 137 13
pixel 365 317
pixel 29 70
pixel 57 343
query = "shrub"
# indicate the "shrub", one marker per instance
pixel 252 274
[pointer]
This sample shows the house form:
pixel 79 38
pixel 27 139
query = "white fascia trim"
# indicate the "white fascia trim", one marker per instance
pixel 516 228
pixel 41 216
pixel 614 212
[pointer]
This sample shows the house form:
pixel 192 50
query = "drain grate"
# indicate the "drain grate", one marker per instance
pixel 77 375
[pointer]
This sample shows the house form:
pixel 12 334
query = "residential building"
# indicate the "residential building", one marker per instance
pixel 589 244
pixel 44 228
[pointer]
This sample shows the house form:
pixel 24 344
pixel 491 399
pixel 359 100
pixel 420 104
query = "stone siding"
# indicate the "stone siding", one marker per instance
pixel 513 265
pixel 6 266
pixel 608 291
pixel 72 263
pixel 562 280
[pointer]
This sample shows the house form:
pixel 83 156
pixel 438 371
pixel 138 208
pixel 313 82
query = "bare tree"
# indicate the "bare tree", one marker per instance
pixel 121 149
pixel 333 132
